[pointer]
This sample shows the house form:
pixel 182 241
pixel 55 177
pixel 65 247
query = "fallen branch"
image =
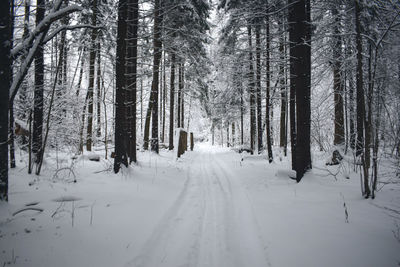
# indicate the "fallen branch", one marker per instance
pixel 28 208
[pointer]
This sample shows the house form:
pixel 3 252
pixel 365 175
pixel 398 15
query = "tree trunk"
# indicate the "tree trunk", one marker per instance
pixel 376 144
pixel 5 82
pixel 131 75
pixel 37 135
pixel 62 75
pixel 83 118
pixel 92 59
pixel 22 114
pixel 171 103
pixel 12 135
pixel 227 135
pixel 51 104
pixel 182 89
pixel 300 55
pixel 152 111
pixel 78 86
pixel 233 134
pixel 179 104
pixel 99 97
pixel 163 102
pixel 368 117
pixel 241 116
pixel 292 100
pixel 11 105
pixel 360 97
pixel 121 156
pixel 160 94
pixel 283 89
pixel 141 105
pixel 258 89
pixel 212 133
pixel 268 109
pixel 337 84
pixel 157 44
pixel 147 124
pixel 350 78
pixel 251 91
pixel 191 142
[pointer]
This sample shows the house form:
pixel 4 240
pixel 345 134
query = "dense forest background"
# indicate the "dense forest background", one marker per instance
pixel 285 77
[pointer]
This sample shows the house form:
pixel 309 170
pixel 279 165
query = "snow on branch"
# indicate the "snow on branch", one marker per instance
pixel 35 39
pixel 69 27
pixel 24 67
pixel 43 26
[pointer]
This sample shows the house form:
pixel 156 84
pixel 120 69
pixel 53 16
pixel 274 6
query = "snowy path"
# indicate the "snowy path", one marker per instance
pixel 211 223
pixel 212 207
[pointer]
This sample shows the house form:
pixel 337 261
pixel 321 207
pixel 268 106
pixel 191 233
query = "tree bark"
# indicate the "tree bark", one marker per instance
pixel 283 89
pixel 300 55
pixel 292 100
pixel 182 89
pixel 5 82
pixel 179 103
pixel 152 110
pixel 268 109
pixel 92 59
pixel 360 97
pixel 78 86
pixel 22 114
pixel 164 102
pixel 121 156
pixel 251 91
pixel 171 103
pixel 258 88
pixel 157 44
pixel 233 134
pixel 37 135
pixel 241 115
pixel 147 124
pixel 368 117
pixel 337 81
pixel 350 78
pixel 131 76
pixel 62 75
pixel 99 97
pixel 11 105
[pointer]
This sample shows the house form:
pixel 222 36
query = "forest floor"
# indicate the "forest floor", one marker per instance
pixel 211 207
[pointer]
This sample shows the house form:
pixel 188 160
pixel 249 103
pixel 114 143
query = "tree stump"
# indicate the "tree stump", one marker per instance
pixel 182 145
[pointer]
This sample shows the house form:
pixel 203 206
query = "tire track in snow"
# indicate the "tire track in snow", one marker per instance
pixel 176 231
pixel 250 243
pixel 211 223
pixel 214 245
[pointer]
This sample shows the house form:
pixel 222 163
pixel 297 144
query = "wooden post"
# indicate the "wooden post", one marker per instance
pixel 182 145
pixel 184 140
pixel 191 142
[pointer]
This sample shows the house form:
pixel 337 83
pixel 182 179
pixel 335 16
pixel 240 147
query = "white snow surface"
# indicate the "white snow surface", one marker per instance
pixel 211 207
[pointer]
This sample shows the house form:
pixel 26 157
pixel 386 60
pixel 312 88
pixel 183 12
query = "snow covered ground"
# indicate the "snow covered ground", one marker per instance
pixel 212 207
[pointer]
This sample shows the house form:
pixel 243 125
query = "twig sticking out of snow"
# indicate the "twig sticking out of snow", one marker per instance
pixel 28 208
pixel 346 214
pixel 91 213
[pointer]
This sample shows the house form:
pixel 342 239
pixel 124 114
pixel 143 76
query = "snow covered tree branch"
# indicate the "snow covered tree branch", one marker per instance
pixel 35 39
